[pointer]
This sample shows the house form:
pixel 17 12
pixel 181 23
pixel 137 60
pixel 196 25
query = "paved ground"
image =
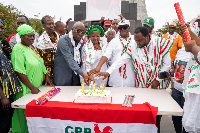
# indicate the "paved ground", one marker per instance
pixel 167 125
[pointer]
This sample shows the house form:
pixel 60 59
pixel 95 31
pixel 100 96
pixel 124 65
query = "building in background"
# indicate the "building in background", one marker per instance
pixel 133 10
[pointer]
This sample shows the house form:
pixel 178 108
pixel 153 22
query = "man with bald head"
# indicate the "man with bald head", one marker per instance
pixel 68 58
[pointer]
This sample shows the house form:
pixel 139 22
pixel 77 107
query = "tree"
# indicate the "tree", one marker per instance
pixel 9 14
pixel 36 24
pixel 165 28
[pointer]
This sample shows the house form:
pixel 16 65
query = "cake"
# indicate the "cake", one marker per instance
pixel 89 96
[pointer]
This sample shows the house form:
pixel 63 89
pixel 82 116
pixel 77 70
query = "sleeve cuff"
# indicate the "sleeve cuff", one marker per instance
pixel 107 56
pixel 80 72
pixel 159 80
pixel 198 56
pixel 109 71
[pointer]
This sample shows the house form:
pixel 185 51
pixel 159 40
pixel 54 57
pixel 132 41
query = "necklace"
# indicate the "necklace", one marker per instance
pixel 97 47
pixel 34 50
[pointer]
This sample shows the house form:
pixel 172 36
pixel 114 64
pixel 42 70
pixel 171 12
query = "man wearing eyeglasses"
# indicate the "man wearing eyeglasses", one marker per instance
pixel 124 75
pixel 68 58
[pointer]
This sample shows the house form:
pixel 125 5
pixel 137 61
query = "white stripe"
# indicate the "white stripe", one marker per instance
pixel 46 125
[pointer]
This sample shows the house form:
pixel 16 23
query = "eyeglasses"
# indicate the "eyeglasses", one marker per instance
pixel 80 31
pixel 124 27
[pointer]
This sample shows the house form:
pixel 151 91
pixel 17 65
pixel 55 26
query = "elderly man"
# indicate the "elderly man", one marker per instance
pixel 124 75
pixel 68 58
pixel 176 38
pixel 14 38
pixel 47 43
pixel 60 28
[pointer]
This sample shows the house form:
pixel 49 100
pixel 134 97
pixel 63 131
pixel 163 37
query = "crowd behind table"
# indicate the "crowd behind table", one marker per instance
pixel 105 52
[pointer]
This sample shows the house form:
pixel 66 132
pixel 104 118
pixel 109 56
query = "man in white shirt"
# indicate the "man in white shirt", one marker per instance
pixel 149 55
pixel 123 76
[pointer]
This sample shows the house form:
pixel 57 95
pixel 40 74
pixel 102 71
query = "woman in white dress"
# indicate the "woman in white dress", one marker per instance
pixel 92 52
pixel 191 85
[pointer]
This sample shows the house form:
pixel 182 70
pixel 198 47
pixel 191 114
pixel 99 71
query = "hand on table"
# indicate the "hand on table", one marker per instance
pixel 34 90
pixel 5 103
pixel 155 84
pixel 105 74
pixel 48 81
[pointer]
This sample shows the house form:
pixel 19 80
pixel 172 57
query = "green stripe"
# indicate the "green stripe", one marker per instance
pixel 163 43
pixel 168 49
pixel 136 70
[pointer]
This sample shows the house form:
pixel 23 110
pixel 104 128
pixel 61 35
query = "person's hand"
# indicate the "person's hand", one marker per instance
pixel 94 71
pixel 102 20
pixel 7 50
pixel 34 90
pixel 48 81
pixel 5 103
pixel 121 16
pixel 91 78
pixel 155 84
pixel 180 80
pixel 189 45
pixel 69 20
pixel 86 78
pixel 182 27
pixel 104 74
pixel 172 73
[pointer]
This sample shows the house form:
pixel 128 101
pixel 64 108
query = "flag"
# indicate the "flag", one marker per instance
pixel 66 117
pixel 95 9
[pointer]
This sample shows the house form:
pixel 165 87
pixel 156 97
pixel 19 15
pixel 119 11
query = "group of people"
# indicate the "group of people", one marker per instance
pixel 103 52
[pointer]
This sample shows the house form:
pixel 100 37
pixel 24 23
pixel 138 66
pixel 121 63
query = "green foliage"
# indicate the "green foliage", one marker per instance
pixel 9 14
pixel 165 28
pixel 36 24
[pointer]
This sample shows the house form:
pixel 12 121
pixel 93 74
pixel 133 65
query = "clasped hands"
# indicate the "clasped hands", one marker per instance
pixel 97 73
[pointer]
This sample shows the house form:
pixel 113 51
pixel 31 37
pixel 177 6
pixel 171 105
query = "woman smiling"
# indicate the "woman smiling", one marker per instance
pixel 92 51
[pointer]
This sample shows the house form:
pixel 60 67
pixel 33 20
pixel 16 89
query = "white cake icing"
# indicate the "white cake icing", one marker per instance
pixel 87 96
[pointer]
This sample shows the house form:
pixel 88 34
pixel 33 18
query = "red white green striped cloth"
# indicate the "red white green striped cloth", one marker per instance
pixel 148 61
pixel 66 117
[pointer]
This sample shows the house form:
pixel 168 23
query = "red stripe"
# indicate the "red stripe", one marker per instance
pixel 142 67
pixel 145 51
pixel 129 49
pixel 137 80
pixel 136 62
pixel 142 78
pixel 100 113
pixel 154 55
pixel 166 46
pixel 160 48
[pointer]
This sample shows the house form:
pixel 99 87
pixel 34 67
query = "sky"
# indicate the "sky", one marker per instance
pixel 161 10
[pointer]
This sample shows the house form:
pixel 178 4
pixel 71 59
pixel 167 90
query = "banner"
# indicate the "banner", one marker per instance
pixel 95 9
pixel 63 117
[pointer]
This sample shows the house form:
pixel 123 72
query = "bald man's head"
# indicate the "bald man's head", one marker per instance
pixel 78 30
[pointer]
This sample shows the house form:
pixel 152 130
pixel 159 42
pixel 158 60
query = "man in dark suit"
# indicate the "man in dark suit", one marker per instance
pixel 68 58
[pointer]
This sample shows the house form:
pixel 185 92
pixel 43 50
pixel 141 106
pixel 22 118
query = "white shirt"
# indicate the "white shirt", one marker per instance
pixel 113 52
pixel 126 58
pixel 181 57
